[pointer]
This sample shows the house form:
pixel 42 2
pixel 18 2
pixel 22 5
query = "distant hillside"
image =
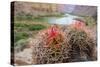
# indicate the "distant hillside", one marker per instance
pixel 47 8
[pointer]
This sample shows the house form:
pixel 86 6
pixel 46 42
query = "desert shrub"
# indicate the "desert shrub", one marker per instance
pixel 20 45
pixel 20 35
pixel 20 25
pixel 23 16
pixel 36 27
pixel 29 17
pixel 30 27
pixel 40 19
pixel 89 21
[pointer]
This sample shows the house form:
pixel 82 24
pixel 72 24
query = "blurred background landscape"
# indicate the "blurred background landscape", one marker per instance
pixel 32 17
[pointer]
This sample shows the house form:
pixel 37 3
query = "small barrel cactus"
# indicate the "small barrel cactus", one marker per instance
pixel 83 45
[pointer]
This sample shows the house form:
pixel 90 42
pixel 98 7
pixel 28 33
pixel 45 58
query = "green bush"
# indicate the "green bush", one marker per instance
pixel 30 27
pixel 24 17
pixel 20 45
pixel 90 21
pixel 36 27
pixel 20 25
pixel 21 42
pixel 20 35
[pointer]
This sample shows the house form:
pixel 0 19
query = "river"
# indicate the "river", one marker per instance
pixel 65 19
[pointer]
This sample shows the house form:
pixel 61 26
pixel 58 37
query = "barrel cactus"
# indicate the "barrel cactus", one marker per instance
pixel 83 45
pixel 52 49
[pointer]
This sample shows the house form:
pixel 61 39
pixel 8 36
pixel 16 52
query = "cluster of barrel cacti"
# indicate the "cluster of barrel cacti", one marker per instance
pixel 60 46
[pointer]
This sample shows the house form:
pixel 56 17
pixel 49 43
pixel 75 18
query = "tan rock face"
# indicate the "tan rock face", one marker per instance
pixel 24 57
